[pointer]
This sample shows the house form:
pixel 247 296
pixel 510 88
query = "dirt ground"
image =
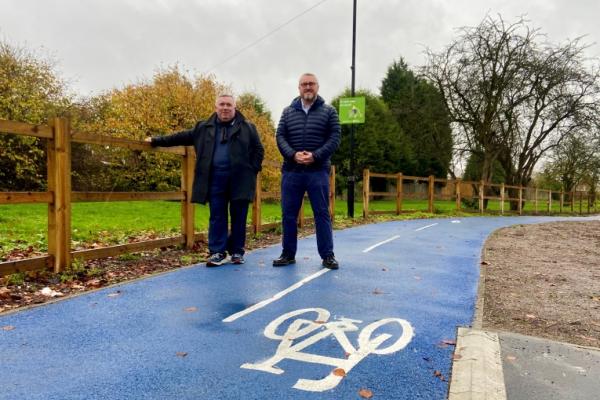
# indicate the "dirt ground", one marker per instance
pixel 544 280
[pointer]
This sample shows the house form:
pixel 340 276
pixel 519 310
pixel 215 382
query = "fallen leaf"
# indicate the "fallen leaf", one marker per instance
pixel 377 291
pixel 190 309
pixel 319 322
pixel 365 393
pixel 181 354
pixel 346 354
pixel 339 372
pixel 438 374
pixel 485 263
pixel 456 357
pixel 8 328
pixel 450 342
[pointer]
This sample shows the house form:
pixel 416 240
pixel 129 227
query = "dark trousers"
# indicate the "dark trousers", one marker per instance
pixel 219 239
pixel 293 187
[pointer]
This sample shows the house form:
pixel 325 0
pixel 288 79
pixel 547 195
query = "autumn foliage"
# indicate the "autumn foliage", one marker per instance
pixel 169 103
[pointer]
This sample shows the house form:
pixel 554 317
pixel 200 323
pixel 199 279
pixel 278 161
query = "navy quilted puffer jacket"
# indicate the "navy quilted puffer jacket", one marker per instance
pixel 318 132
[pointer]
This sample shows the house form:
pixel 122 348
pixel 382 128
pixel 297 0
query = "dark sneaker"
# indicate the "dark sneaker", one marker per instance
pixel 237 258
pixel 216 259
pixel 330 262
pixel 283 260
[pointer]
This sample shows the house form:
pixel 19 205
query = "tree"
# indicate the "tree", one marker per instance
pixel 421 112
pixel 30 91
pixel 170 102
pixel 511 98
pixel 380 143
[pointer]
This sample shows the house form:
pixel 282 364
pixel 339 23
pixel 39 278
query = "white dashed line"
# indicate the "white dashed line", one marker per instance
pixel 380 243
pixel 279 295
pixel 425 227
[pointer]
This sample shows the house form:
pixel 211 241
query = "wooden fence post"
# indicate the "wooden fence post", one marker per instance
pixel 332 193
pixel 535 202
pixel 481 196
pixel 520 200
pixel 187 207
pixel 457 190
pixel 431 192
pixel 562 200
pixel 366 193
pixel 580 202
pixel 572 201
pixel 549 201
pixel 301 215
pixel 256 206
pixel 502 199
pixel 399 192
pixel 59 184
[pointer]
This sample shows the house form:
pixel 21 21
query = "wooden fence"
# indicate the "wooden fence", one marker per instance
pixel 59 197
pixel 458 190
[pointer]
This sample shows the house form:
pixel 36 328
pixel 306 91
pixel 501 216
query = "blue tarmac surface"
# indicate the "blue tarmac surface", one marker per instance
pixel 383 318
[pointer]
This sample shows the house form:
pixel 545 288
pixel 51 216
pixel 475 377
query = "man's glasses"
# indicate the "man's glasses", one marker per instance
pixel 308 84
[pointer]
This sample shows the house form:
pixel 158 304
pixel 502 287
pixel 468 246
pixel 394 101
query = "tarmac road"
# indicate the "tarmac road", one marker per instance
pixel 385 321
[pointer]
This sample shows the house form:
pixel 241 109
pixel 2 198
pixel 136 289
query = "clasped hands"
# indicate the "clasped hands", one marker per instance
pixel 304 157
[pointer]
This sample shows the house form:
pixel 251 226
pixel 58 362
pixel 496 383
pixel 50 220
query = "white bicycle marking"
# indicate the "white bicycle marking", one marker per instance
pixel 320 329
pixel 279 295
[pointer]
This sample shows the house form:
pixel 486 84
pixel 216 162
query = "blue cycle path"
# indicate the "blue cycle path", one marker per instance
pixel 385 321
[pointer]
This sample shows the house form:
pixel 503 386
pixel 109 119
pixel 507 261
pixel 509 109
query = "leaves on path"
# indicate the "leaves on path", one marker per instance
pixel 439 375
pixel 8 328
pixel 339 372
pixel 190 309
pixel 365 393
pixel 181 354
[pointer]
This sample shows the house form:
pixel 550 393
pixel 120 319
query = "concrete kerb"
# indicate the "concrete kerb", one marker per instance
pixel 477 367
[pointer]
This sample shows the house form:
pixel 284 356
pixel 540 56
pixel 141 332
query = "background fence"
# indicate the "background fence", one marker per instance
pixel 59 196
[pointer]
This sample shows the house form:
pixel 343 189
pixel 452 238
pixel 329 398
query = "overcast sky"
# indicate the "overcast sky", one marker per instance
pixel 102 44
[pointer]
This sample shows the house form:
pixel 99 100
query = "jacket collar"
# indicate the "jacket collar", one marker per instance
pixel 297 103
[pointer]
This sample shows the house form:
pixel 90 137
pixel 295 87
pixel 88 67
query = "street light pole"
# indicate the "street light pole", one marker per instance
pixel 351 176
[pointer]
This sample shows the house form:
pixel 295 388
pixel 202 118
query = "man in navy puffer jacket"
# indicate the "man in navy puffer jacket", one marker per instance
pixel 307 135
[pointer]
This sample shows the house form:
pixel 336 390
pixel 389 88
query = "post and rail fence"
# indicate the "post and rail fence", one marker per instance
pixel 459 190
pixel 60 197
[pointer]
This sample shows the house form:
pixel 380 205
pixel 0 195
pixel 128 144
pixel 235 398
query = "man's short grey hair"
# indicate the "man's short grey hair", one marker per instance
pixel 225 94
pixel 308 74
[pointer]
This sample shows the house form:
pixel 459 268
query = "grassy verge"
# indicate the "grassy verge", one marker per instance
pixel 24 225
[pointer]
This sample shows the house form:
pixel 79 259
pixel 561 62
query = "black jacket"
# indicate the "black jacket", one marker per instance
pixel 246 155
pixel 318 132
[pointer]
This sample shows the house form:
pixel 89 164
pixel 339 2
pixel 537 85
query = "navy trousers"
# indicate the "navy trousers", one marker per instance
pixel 221 207
pixel 293 187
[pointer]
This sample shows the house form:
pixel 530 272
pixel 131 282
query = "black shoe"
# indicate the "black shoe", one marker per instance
pixel 283 260
pixel 330 262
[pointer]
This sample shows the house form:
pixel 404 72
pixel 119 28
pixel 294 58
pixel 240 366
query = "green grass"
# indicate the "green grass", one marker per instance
pixel 24 225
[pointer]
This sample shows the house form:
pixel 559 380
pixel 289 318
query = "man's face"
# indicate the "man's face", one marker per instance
pixel 225 108
pixel 308 87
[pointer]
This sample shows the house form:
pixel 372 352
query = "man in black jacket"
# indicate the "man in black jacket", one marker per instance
pixel 307 135
pixel 229 155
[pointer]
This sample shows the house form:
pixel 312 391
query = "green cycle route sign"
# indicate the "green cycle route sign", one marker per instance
pixel 352 110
